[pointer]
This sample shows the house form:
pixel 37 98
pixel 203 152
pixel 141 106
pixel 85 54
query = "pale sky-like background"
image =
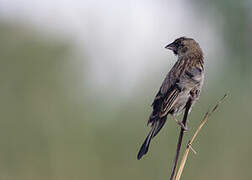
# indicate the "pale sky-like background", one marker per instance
pixel 123 39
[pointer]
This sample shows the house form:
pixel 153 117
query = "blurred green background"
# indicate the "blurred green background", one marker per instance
pixel 77 80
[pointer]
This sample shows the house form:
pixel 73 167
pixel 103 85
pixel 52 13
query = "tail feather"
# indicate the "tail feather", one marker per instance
pixel 161 123
pixel 145 146
pixel 157 126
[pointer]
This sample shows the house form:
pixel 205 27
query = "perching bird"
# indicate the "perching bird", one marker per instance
pixel 182 83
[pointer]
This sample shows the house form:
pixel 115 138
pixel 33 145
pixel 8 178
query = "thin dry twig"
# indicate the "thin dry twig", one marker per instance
pixel 180 139
pixel 189 145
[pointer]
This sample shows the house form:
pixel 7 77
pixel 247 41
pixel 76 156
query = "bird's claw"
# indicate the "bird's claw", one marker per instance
pixel 185 128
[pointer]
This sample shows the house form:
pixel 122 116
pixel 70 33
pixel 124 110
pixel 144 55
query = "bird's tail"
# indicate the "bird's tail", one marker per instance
pixel 156 127
pixel 145 146
pixel 161 123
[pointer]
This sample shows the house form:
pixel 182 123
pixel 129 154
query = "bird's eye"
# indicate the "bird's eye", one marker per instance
pixel 180 44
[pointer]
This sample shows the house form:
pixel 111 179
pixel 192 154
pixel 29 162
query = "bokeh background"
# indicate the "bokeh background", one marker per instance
pixel 78 77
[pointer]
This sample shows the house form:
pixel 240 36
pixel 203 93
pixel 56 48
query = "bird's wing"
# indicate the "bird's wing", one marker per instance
pixel 169 101
pixel 163 103
pixel 167 93
pixel 182 75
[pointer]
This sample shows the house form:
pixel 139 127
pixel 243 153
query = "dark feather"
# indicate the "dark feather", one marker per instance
pixel 161 123
pixel 168 102
pixel 145 146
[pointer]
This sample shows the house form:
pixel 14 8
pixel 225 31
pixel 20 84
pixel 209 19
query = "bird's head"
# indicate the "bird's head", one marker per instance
pixel 183 46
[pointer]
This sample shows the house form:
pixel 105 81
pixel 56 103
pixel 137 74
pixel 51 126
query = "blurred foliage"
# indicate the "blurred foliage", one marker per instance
pixel 233 18
pixel 53 127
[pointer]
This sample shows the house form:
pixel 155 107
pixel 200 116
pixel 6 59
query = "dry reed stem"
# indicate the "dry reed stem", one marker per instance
pixel 189 145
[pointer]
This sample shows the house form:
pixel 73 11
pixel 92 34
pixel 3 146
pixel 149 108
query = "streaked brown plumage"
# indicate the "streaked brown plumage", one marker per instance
pixel 182 83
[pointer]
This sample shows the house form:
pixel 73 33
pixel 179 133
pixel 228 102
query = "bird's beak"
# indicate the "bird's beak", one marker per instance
pixel 171 47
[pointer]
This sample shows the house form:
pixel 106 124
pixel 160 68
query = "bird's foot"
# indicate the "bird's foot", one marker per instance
pixel 185 128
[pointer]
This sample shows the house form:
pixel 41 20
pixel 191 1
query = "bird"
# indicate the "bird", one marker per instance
pixel 182 84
